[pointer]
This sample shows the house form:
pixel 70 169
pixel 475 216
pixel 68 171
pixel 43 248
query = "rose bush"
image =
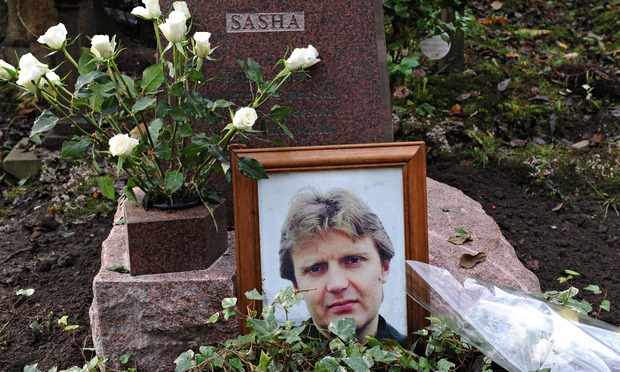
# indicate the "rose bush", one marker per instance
pixel 147 126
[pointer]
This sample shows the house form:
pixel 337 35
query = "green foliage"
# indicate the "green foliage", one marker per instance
pixel 407 22
pixel 568 298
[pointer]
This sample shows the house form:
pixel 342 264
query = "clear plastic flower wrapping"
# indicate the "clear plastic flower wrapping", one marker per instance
pixel 514 329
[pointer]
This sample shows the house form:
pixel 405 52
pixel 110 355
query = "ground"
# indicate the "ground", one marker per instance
pixel 51 228
pixel 59 256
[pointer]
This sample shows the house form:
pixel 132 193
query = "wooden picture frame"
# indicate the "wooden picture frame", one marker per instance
pixel 402 165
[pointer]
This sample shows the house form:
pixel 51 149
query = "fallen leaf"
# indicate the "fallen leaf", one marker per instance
pixel 540 98
pixel 468 261
pixel 517 143
pixel 557 207
pixel 535 90
pixel 581 144
pixel 456 110
pixel 497 5
pixel 119 269
pixel 561 44
pixel 512 55
pixel 401 92
pixel 571 55
pixel 463 97
pixel 597 137
pixel 502 86
pixel 460 236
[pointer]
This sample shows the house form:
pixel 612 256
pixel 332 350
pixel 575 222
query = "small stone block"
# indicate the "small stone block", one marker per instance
pixel 161 241
pixel 157 317
pixel 20 163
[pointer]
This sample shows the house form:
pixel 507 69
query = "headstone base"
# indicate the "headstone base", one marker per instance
pixel 157 317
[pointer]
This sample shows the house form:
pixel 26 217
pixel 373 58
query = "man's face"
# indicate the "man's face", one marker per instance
pixel 345 279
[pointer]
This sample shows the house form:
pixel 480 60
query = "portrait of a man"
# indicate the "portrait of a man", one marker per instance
pixel 336 249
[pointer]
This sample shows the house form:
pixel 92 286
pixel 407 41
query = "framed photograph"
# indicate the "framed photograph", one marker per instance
pixel 337 222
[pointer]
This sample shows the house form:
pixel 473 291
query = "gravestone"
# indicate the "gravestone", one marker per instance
pixel 345 100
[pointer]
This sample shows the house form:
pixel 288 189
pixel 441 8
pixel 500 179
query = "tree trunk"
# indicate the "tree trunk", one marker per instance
pixel 455 60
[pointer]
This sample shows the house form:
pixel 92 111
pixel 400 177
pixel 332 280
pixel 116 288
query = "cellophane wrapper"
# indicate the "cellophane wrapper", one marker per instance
pixel 514 329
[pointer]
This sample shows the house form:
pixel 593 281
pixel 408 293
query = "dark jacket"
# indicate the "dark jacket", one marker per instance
pixel 384 332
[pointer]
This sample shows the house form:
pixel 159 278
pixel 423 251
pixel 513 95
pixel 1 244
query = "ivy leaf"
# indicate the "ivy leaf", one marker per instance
pixel 72 149
pixel 25 292
pixel 185 361
pixel 329 364
pixel 213 318
pixel 229 302
pixel 124 359
pixel 251 168
pixel 254 295
pixel 605 305
pixel 594 289
pixel 358 363
pixel 174 181
pixel 152 78
pixel 344 329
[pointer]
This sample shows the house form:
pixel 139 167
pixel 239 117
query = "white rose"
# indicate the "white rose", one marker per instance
pixel 7 71
pixel 54 37
pixel 244 118
pixel 30 70
pixel 101 46
pixel 202 47
pixel 181 6
pixel 51 78
pixel 152 10
pixel 302 58
pixel 174 29
pixel 122 145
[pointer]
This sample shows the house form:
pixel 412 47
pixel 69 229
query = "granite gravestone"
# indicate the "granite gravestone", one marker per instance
pixel 346 99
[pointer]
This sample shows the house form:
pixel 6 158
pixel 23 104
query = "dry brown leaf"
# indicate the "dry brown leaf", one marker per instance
pixel 401 92
pixel 459 240
pixel 468 261
pixel 517 142
pixel 497 5
pixel 557 207
pixel 561 44
pixel 597 137
pixel 456 110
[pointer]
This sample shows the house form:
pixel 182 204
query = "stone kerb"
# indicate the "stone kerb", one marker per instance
pixel 345 100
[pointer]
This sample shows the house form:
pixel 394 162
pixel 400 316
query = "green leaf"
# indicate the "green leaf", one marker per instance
pixel 72 149
pixel 185 361
pixel 44 123
pixel 152 78
pixel 605 305
pixel 196 75
pixel 253 71
pixel 280 113
pixel 229 302
pixel 251 168
pixel 63 320
pixel 254 295
pixel 460 232
pixel 119 269
pixel 109 106
pixel 71 327
pixel 25 292
pixel 264 328
pixel 571 272
pixel 218 153
pixel 174 181
pixel 124 359
pixel 345 328
pixel 594 289
pixel 106 186
pixel 142 104
pixel 90 77
pixel 445 365
pixel 185 130
pixel 155 128
pixel 86 63
pixel 358 363
pixel 32 368
pixel 264 361
pixel 213 318
pixel 329 364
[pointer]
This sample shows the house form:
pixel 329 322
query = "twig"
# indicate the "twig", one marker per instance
pixel 14 254
pixel 7 323
pixel 21 20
